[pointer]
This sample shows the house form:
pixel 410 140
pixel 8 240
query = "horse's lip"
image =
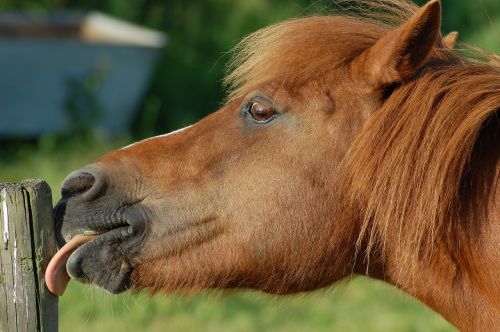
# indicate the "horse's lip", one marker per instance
pixel 77 266
pixel 91 233
pixel 57 276
pixel 120 228
pixel 96 232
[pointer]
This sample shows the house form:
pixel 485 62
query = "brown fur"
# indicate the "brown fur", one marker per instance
pixel 384 162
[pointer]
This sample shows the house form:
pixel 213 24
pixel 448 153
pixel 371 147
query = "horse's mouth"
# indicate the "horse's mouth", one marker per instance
pixel 93 253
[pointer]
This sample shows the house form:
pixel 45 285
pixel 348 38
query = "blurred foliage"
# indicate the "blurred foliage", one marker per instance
pixel 186 84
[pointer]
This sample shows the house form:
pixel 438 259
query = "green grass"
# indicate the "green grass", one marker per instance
pixel 359 305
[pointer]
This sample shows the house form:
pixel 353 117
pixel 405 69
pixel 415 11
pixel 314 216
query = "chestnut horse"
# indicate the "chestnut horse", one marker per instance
pixel 348 145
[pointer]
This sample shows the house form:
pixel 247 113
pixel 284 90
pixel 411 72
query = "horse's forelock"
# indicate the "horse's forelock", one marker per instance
pixel 285 50
pixel 294 51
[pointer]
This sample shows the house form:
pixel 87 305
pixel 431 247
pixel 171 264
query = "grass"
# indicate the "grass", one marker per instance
pixel 359 305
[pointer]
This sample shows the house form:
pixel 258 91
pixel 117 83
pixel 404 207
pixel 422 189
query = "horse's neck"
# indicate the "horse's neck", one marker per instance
pixel 472 305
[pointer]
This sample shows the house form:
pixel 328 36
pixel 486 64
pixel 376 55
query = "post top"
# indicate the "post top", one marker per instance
pixel 29 183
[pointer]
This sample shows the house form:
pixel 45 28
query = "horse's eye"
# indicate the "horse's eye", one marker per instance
pixel 260 112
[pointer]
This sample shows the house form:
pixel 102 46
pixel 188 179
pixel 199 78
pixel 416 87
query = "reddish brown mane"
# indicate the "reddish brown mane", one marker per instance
pixel 413 161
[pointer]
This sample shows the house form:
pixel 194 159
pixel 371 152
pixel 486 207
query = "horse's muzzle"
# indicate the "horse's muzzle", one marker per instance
pixel 93 206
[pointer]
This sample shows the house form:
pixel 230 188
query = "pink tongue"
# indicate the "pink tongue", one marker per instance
pixel 56 276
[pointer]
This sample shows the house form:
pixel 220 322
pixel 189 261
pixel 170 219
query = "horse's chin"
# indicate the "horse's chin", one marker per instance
pixel 102 262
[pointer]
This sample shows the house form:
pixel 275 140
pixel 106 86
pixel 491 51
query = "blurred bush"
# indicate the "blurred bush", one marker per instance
pixel 187 82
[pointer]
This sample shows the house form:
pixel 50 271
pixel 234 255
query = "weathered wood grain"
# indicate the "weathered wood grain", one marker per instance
pixel 27 243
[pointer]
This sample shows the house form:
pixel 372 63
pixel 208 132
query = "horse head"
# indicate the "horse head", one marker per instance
pixel 250 196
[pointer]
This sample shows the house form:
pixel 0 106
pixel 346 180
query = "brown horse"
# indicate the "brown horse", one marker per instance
pixel 348 145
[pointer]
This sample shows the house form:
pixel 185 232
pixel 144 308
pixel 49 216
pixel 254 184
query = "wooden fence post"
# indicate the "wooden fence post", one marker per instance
pixel 27 241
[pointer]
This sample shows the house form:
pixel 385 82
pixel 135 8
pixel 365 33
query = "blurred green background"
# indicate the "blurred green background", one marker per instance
pixel 186 85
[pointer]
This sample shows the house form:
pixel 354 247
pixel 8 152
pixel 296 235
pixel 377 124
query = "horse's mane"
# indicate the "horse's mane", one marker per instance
pixel 413 168
pixel 285 50
pixel 418 163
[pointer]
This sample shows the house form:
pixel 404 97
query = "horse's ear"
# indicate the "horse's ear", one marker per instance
pixel 450 40
pixel 398 55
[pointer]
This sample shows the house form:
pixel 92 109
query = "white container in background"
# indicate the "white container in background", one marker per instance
pixel 49 64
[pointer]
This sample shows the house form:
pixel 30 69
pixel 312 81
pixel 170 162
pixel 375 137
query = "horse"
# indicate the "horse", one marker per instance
pixel 358 144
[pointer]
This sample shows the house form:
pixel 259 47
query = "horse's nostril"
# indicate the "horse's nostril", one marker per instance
pixel 77 183
pixel 87 182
